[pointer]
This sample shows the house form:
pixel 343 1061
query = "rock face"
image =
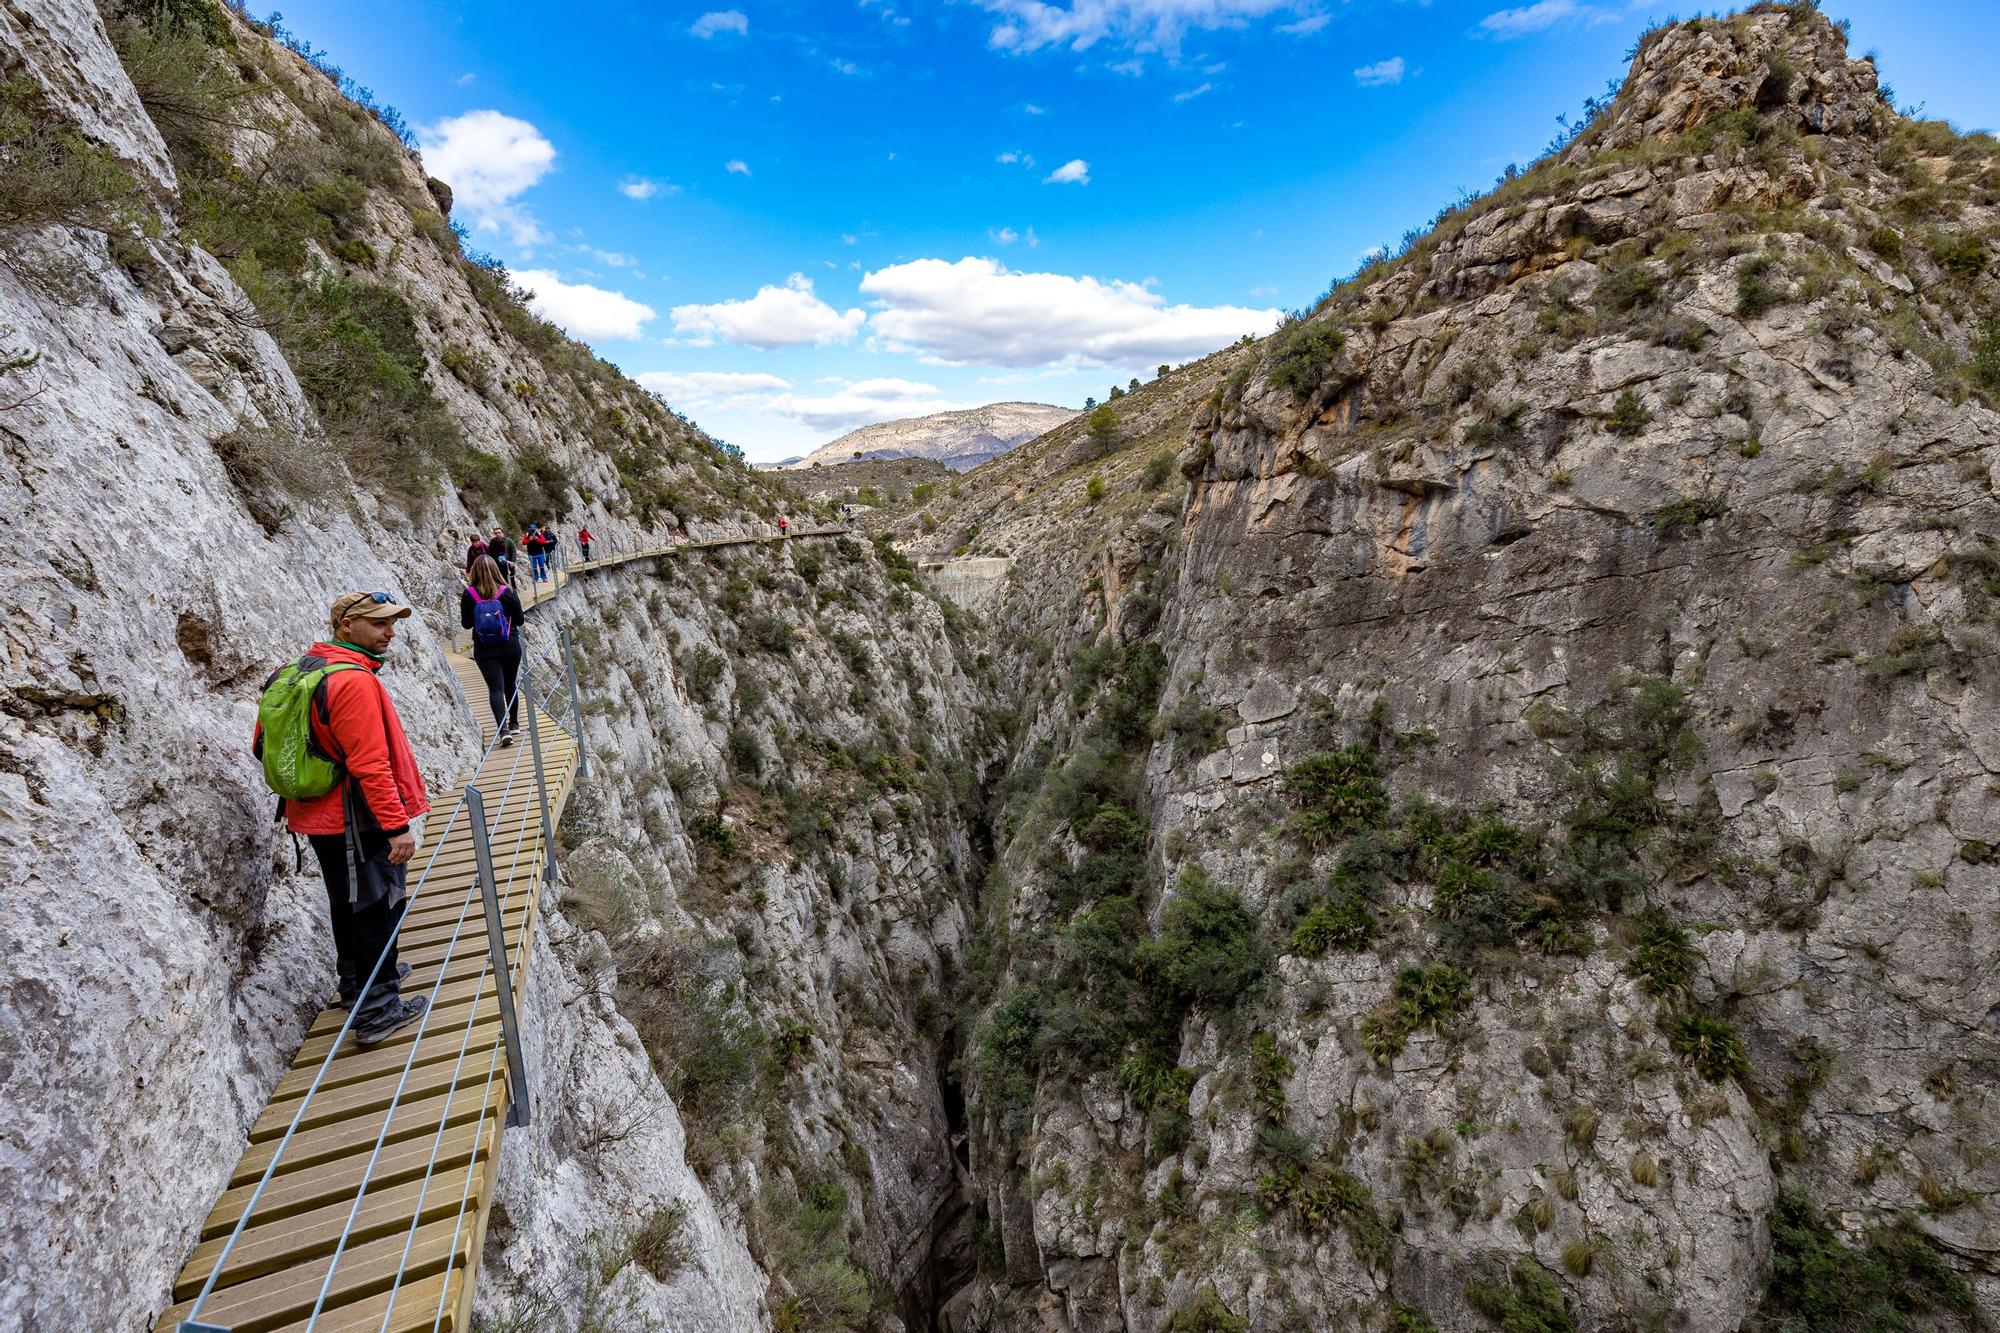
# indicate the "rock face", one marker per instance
pixel 737 1050
pixel 960 440
pixel 1640 518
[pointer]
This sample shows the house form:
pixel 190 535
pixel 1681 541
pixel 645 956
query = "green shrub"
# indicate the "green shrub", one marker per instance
pixel 51 174
pixel 771 633
pixel 702 672
pixel 1756 292
pixel 1821 1284
pixel 1984 365
pixel 1317 1195
pixel 1207 1314
pixel 1337 793
pixel 1687 513
pixel 1663 958
pixel 808 1248
pixel 658 1246
pixel 1093 490
pixel 1303 351
pixel 1195 727
pixel 1269 1068
pixel 1710 1045
pixel 1159 468
pixel 1960 254
pixel 1345 923
pixel 1530 1300
pixel 746 753
pixel 1422 997
pixel 1886 242
pixel 1628 415
pixel 1207 952
pixel 1629 288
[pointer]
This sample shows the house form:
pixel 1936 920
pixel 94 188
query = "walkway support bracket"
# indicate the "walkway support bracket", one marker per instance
pixel 496 949
pixel 541 778
pixel 575 708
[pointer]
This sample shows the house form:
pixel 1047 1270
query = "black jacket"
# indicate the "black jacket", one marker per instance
pixel 499 548
pixel 510 604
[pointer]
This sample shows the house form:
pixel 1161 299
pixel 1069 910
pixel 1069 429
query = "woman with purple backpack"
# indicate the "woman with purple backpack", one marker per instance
pixel 492 611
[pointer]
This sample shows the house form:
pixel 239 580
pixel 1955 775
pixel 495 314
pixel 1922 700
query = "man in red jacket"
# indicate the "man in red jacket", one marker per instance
pixel 360 831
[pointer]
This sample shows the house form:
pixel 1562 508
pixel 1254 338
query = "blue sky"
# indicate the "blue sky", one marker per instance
pixel 794 218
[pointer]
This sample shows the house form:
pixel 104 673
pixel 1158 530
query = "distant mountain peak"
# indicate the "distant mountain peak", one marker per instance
pixel 960 440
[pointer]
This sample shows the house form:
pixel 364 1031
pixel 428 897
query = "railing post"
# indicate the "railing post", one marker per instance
pixel 541 777
pixel 575 708
pixel 496 951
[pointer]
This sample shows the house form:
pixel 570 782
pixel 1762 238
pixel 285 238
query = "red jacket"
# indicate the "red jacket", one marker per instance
pixel 583 535
pixel 362 726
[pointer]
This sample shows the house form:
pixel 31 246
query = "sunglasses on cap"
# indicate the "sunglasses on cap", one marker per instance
pixel 359 599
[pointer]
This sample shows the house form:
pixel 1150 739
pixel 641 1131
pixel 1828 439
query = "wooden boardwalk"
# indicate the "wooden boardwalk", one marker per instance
pixel 419 1117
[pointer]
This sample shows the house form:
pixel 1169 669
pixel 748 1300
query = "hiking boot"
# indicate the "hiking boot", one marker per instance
pixel 348 996
pixel 395 1017
pixel 507 737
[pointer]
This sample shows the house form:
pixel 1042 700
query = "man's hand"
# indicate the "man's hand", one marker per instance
pixel 401 848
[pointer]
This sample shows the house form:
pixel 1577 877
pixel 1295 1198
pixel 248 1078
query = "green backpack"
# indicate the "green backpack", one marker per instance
pixel 293 765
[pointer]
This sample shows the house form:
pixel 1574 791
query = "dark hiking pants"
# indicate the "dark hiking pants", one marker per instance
pixel 500 667
pixel 363 932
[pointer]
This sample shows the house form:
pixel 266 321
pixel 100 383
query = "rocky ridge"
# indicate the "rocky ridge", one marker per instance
pixel 1554 886
pixel 961 439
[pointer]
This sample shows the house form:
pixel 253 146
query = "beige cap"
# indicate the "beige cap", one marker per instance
pixel 365 606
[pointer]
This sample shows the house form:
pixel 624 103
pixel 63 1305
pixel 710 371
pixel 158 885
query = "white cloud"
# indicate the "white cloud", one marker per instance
pixel 1193 93
pixel 1380 73
pixel 787 316
pixel 1012 156
pixel 842 408
pixel 1307 26
pixel 641 187
pixel 707 390
pixel 1030 25
pixel 1076 171
pixel 864 404
pixel 489 159
pixel 1034 110
pixel 736 166
pixel 1131 69
pixel 721 20
pixel 612 257
pixel 978 312
pixel 466 80
pixel 587 312
pixel 1542 15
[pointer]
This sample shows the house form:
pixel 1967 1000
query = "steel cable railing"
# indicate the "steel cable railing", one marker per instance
pixel 470 801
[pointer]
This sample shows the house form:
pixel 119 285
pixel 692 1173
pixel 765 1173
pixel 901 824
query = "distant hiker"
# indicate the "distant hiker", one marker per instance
pixel 473 553
pixel 492 611
pixel 784 525
pixel 501 550
pixel 537 547
pixel 583 540
pixel 333 749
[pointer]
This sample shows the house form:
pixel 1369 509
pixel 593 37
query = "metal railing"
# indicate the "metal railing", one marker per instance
pixel 558 701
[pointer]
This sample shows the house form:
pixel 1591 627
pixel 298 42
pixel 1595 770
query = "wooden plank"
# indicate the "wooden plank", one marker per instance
pixel 359 1099
pixel 298 1191
pixel 414 1116
pixel 268 1303
pixel 387 1061
pixel 386 1209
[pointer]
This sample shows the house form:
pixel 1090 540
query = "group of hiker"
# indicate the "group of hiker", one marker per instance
pixel 538 543
pixel 333 749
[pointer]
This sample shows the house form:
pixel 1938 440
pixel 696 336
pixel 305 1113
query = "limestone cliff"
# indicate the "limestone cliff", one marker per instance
pixel 247 366
pixel 1513 845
